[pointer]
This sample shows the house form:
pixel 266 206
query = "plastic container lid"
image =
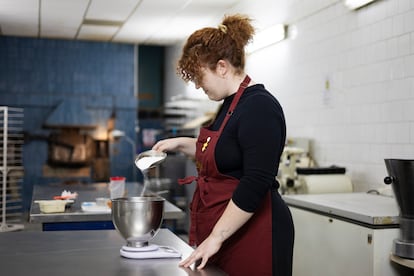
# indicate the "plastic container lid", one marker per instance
pixel 117 178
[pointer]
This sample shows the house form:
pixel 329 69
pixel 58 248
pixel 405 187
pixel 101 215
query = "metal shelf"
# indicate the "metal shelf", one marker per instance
pixel 11 167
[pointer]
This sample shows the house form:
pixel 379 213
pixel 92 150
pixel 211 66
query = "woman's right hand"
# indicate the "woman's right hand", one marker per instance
pixel 186 145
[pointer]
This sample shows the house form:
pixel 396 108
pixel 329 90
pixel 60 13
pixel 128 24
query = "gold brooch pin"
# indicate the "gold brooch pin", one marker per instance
pixel 205 145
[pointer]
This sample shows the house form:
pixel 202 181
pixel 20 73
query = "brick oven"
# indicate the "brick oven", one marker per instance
pixel 72 149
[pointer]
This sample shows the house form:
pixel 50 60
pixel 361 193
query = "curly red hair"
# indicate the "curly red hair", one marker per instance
pixel 205 47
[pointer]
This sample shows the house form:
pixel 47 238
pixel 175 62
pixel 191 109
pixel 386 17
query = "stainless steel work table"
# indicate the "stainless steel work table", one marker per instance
pixel 74 218
pixel 369 209
pixel 69 253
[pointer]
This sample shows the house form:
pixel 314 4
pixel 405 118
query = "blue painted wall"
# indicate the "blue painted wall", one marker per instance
pixel 151 83
pixel 38 74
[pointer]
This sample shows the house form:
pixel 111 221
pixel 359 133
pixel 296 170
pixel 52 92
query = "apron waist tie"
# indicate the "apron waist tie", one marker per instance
pixel 187 180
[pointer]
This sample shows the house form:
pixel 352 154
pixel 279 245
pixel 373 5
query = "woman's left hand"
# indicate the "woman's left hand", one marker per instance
pixel 204 251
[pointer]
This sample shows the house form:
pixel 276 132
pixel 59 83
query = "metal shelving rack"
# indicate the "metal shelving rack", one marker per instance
pixel 11 166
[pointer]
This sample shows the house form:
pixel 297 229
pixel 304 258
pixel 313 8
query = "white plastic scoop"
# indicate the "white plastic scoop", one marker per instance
pixel 149 159
pixel 146 160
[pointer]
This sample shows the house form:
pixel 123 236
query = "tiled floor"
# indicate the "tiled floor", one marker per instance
pixel 32 227
pixel 26 226
pixel 23 221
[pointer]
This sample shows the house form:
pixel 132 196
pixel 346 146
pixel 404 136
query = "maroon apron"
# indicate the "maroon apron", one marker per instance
pixel 249 250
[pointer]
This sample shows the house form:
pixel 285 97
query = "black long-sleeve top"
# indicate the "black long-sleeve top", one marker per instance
pixel 251 144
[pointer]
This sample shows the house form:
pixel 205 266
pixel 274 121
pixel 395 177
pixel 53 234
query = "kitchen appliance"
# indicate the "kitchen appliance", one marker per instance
pixel 401 176
pixel 69 147
pixel 138 219
pixel 297 176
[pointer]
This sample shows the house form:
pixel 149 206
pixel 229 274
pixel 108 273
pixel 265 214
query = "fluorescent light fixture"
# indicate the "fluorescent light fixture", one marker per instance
pixel 267 37
pixel 356 4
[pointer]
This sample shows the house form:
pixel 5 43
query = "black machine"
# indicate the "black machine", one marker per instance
pixel 401 176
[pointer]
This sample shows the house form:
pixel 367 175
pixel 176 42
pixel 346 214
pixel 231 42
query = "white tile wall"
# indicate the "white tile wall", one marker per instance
pixel 368 58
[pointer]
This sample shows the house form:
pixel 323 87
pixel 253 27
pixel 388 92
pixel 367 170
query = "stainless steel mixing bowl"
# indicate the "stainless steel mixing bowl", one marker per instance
pixel 138 219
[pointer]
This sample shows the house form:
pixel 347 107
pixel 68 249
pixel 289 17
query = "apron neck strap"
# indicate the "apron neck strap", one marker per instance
pixel 235 100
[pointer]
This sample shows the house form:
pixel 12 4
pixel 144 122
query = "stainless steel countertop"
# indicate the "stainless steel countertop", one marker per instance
pixel 86 192
pixel 91 252
pixel 361 207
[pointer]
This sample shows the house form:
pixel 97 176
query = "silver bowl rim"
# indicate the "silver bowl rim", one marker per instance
pixel 139 198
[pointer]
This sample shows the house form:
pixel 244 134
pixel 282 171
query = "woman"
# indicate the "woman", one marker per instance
pixel 239 222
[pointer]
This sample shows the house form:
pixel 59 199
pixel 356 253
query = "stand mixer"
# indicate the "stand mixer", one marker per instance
pixel 138 219
pixel 401 176
pixel 298 176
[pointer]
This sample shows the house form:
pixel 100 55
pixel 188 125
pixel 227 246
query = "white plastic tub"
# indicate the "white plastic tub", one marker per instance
pixel 52 206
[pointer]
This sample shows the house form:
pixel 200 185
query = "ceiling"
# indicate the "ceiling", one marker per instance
pixel 160 22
